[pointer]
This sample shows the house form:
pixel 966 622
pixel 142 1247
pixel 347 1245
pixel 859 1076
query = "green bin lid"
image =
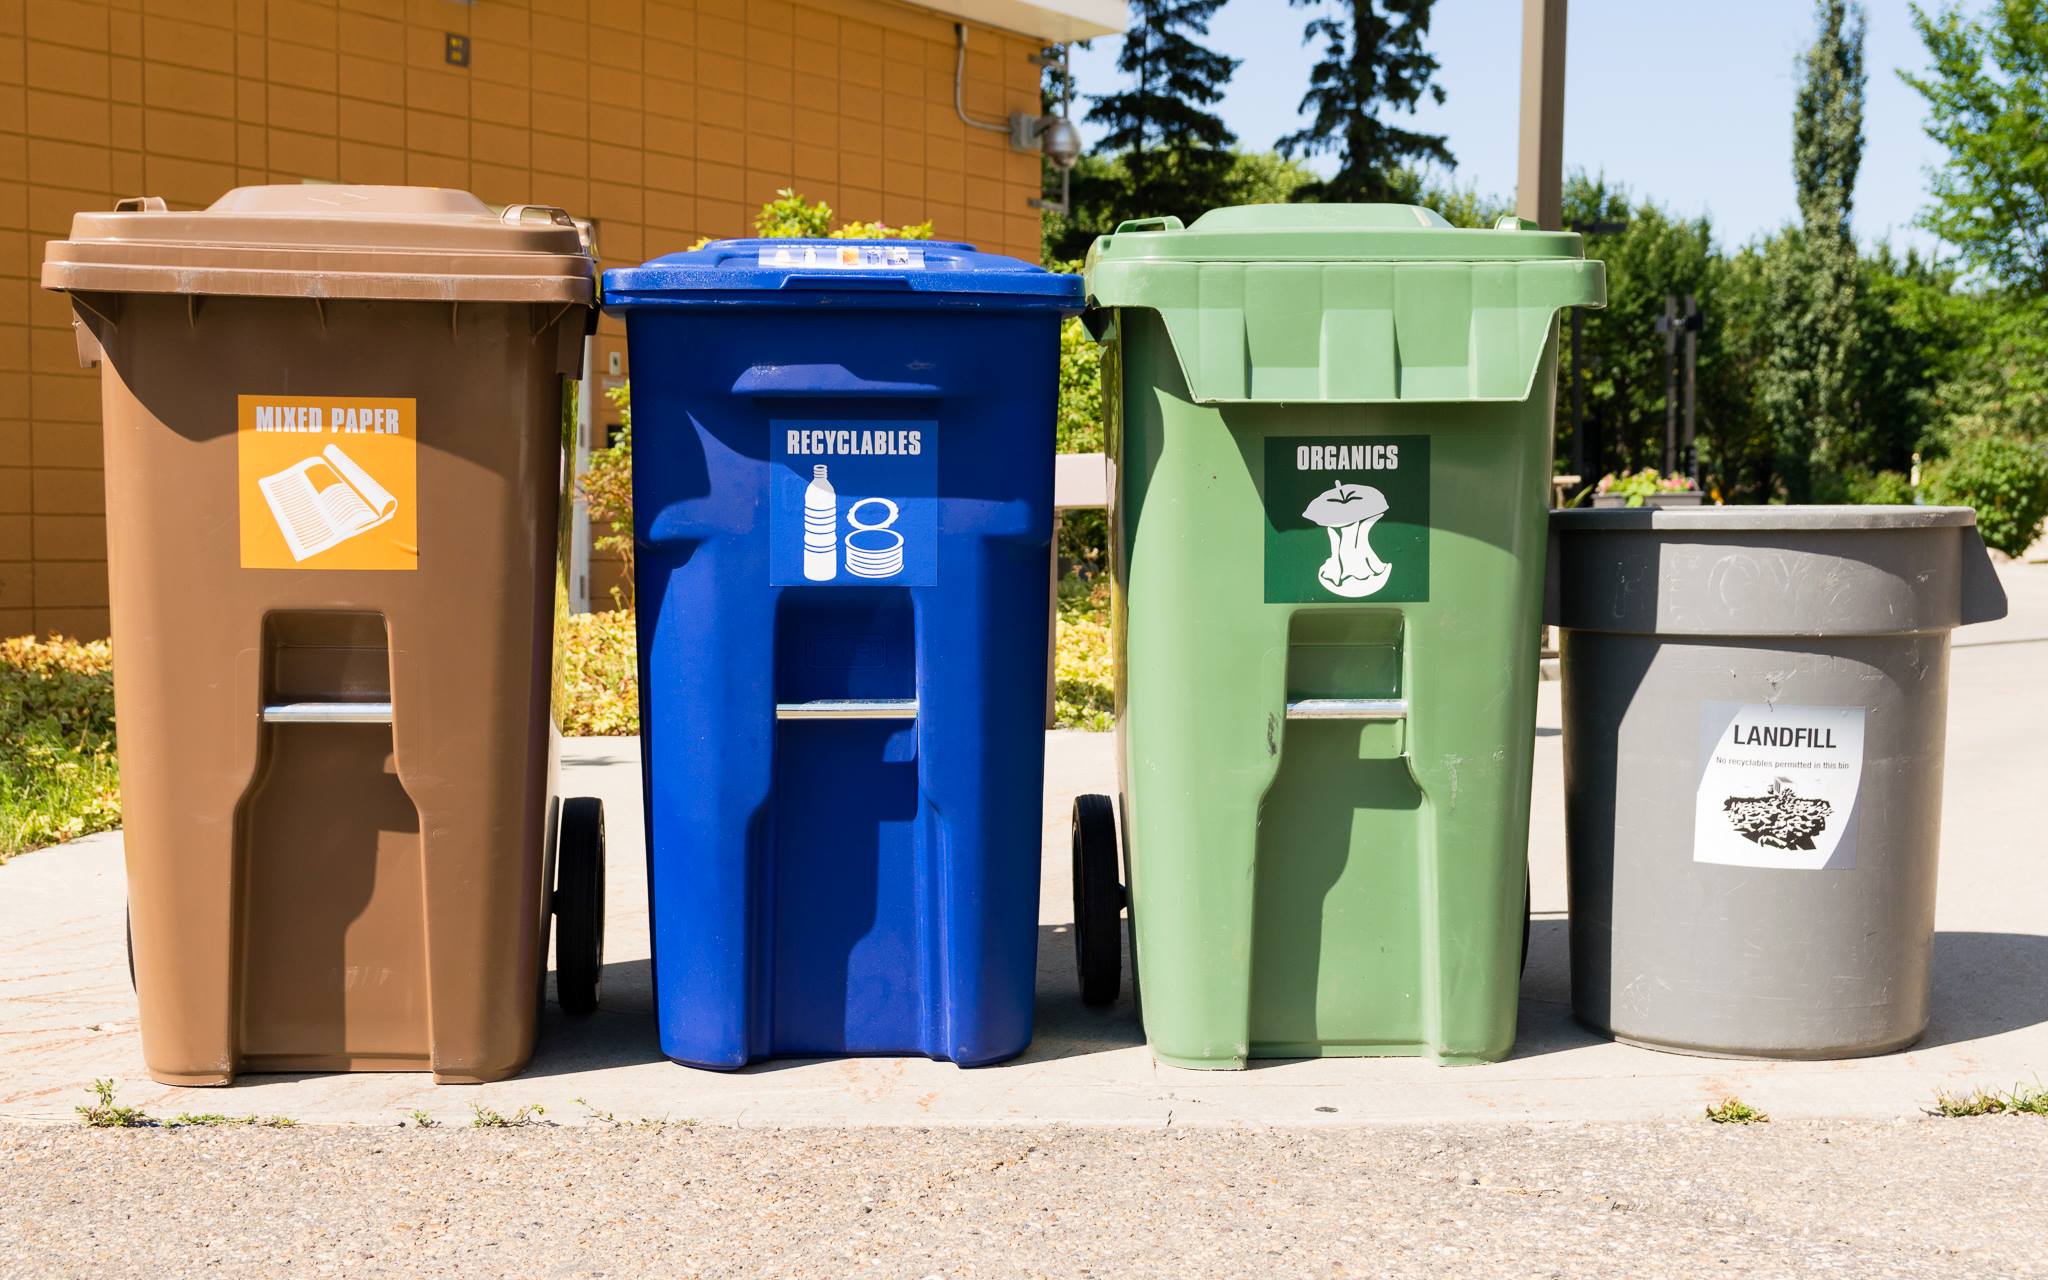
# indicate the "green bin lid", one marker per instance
pixel 1327 233
pixel 1337 303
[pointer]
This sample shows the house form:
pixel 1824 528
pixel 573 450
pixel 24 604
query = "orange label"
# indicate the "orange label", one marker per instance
pixel 328 482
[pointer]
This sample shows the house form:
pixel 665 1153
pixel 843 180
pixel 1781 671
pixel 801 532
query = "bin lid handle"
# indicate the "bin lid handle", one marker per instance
pixel 140 204
pixel 516 214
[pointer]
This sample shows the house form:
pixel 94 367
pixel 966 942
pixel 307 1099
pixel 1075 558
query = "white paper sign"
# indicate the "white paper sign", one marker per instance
pixel 1778 785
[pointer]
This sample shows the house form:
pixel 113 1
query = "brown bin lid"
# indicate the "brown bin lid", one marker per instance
pixel 314 240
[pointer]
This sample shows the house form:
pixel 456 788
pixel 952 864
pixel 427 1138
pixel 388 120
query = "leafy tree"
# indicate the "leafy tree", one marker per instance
pixel 1655 256
pixel 1175 154
pixel 1988 106
pixel 1907 326
pixel 1460 206
pixel 1373 57
pixel 1811 272
pixel 2005 479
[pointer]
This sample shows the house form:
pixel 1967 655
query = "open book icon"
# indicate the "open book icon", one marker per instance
pixel 325 500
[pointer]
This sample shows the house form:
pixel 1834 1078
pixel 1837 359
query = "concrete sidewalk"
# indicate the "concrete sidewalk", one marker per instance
pixel 67 1015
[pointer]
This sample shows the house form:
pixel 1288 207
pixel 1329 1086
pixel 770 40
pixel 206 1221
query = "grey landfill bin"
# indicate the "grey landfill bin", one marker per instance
pixel 1755 706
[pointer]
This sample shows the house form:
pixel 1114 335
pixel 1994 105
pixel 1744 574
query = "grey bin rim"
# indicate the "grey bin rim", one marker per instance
pixel 1758 519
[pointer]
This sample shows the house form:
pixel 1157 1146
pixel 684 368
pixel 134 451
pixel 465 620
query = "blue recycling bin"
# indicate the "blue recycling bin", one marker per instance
pixel 842 491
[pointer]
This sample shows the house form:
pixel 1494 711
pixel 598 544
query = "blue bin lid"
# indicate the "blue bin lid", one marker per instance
pixel 880 274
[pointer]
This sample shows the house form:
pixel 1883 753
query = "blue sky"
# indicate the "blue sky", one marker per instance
pixel 1688 103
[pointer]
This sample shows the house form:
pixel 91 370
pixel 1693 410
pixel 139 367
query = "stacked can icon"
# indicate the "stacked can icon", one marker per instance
pixel 874 549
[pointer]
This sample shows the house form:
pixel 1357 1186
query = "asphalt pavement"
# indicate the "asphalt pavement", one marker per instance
pixel 1855 1198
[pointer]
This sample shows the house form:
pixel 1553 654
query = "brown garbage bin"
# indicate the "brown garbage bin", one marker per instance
pixel 334 439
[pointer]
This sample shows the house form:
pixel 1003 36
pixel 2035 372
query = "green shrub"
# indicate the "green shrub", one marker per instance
pixel 1084 685
pixel 2004 479
pixel 607 485
pixel 600 674
pixel 1881 489
pixel 59 778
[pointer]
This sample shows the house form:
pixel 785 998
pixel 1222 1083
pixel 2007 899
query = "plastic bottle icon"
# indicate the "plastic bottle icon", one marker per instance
pixel 821 528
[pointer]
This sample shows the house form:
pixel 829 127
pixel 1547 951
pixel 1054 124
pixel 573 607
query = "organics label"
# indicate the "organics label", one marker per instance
pixel 1778 786
pixel 328 482
pixel 1347 518
pixel 853 503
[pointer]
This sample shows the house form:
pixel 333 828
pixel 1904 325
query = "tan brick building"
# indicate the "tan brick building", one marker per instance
pixel 661 120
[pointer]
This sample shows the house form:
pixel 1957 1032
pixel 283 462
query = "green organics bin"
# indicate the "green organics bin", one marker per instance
pixel 1329 435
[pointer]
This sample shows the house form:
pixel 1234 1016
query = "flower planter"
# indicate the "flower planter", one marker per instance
pixel 1681 498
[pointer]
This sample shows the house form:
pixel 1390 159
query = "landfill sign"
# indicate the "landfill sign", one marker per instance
pixel 853 503
pixel 1778 786
pixel 328 482
pixel 1347 518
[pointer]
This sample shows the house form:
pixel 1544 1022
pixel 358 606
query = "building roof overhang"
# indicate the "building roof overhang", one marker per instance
pixel 1054 21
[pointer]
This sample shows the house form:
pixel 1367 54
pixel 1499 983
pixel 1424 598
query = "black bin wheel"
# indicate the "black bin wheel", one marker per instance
pixel 1098 900
pixel 579 903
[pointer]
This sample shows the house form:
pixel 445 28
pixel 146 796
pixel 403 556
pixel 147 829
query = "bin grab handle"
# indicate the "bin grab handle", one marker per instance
pixel 1348 709
pixel 327 713
pixel 826 382
pixel 848 709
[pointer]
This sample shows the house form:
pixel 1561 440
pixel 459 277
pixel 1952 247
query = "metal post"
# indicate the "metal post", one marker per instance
pixel 1668 326
pixel 1692 379
pixel 1539 185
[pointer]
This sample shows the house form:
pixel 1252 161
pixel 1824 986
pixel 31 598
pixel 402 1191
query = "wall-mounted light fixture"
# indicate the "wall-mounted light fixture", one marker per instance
pixel 1053 135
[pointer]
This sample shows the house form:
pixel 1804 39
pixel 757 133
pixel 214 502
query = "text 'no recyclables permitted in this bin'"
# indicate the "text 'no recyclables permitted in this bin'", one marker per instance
pixel 1347 518
pixel 327 482
pixel 853 503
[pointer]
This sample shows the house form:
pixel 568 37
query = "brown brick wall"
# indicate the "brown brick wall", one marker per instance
pixel 665 120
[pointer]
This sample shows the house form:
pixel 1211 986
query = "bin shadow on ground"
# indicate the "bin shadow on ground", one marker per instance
pixel 1985 984
pixel 619 1034
pixel 622 1031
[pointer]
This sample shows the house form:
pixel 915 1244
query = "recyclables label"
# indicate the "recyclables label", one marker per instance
pixel 1347 518
pixel 328 482
pixel 850 257
pixel 1778 786
pixel 853 503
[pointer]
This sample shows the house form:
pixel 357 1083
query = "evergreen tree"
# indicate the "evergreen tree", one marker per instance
pixel 1806 386
pixel 1372 58
pixel 1175 153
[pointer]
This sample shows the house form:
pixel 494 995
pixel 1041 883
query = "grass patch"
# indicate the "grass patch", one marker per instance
pixel 59 779
pixel 420 1120
pixel 598 1115
pixel 1991 1102
pixel 105 1113
pixel 1736 1111
pixel 527 1117
pixel 1084 681
pixel 215 1120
